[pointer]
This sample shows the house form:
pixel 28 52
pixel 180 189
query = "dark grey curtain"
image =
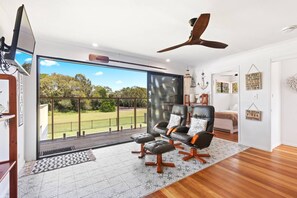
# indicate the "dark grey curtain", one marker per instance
pixel 164 90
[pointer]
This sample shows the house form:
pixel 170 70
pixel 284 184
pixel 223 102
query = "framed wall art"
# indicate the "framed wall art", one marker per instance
pixel 253 80
pixel 234 87
pixel 253 114
pixel 222 87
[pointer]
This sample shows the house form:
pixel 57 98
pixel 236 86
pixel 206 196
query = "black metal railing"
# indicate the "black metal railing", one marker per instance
pixel 108 124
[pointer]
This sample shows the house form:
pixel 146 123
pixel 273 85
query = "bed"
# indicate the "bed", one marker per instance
pixel 226 121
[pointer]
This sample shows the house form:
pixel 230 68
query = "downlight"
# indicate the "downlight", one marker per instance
pixel 289 29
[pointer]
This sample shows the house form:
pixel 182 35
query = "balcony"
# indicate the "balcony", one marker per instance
pixel 65 130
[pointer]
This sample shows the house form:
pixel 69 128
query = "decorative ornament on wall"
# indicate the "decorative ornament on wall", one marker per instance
pixel 187 82
pixel 203 85
pixel 253 80
pixel 193 83
pixel 253 114
pixel 292 82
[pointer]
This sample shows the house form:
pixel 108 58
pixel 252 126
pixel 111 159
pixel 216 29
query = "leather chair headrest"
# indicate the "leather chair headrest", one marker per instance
pixel 205 113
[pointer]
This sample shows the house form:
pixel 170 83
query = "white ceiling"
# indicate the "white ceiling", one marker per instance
pixel 144 26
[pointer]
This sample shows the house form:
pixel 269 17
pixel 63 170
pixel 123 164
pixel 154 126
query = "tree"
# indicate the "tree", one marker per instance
pixel 58 85
pixel 107 106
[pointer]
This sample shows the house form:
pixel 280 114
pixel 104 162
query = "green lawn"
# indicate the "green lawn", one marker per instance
pixel 93 121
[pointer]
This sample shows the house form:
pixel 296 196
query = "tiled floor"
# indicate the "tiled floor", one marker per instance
pixel 118 173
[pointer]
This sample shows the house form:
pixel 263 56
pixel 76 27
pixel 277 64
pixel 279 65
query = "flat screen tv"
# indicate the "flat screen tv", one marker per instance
pixel 23 43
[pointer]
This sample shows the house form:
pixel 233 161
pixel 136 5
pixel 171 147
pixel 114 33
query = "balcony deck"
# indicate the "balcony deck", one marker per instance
pixel 89 141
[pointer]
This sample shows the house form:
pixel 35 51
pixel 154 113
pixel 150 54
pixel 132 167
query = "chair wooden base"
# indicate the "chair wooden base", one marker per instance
pixel 142 151
pixel 159 164
pixel 176 145
pixel 194 154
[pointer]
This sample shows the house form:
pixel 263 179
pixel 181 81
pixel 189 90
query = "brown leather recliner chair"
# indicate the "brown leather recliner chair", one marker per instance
pixel 201 139
pixel 161 127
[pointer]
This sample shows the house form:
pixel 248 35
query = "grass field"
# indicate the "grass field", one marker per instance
pixel 94 121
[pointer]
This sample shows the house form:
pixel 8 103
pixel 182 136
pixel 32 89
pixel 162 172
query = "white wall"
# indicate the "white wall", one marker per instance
pixel 252 133
pixel 276 104
pixel 43 122
pixel 288 104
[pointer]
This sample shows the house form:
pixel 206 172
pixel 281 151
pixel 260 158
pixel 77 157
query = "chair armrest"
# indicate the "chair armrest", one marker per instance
pixel 181 129
pixel 203 137
pixel 161 124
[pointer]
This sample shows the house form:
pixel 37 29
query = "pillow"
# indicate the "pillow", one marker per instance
pixel 234 107
pixel 197 125
pixel 174 121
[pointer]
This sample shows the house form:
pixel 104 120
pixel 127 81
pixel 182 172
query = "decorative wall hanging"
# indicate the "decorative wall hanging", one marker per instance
pixel 204 84
pixel 222 87
pixel 193 83
pixel 253 80
pixel 235 87
pixel 292 82
pixel 187 82
pixel 253 114
pixel 20 100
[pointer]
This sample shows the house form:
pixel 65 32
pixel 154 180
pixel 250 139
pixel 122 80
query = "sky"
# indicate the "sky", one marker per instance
pixel 22 57
pixel 114 78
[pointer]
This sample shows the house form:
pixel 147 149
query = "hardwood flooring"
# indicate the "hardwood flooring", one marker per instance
pixel 227 135
pixel 252 173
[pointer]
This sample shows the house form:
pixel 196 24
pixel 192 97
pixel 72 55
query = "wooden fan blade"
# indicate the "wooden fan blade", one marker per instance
pixel 102 59
pixel 213 44
pixel 173 47
pixel 200 26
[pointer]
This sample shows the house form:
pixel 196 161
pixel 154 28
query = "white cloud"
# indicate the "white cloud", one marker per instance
pixel 28 60
pixel 119 82
pixel 48 63
pixel 17 52
pixel 99 73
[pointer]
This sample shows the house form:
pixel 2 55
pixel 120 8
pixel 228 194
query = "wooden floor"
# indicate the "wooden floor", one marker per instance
pixel 226 135
pixel 252 173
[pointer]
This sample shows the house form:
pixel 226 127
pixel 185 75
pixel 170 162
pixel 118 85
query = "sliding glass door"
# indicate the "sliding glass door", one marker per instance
pixel 164 90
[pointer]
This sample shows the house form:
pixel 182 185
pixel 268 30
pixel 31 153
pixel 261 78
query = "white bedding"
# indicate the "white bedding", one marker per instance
pixel 226 124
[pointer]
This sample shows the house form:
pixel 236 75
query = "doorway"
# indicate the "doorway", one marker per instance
pixel 225 99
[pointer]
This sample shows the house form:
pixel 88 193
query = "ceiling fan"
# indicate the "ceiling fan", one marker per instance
pixel 199 25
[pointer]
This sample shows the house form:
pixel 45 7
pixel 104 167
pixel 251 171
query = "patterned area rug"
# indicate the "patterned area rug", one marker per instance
pixel 118 173
pixel 52 163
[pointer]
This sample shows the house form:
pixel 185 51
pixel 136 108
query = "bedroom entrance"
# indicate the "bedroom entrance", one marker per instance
pixel 225 100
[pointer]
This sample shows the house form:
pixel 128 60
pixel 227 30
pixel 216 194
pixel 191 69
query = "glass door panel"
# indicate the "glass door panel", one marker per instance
pixel 164 90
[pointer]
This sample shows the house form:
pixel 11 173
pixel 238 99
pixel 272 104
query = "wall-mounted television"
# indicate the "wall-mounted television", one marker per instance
pixel 23 43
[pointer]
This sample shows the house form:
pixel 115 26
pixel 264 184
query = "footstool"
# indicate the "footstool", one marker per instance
pixel 141 139
pixel 159 147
